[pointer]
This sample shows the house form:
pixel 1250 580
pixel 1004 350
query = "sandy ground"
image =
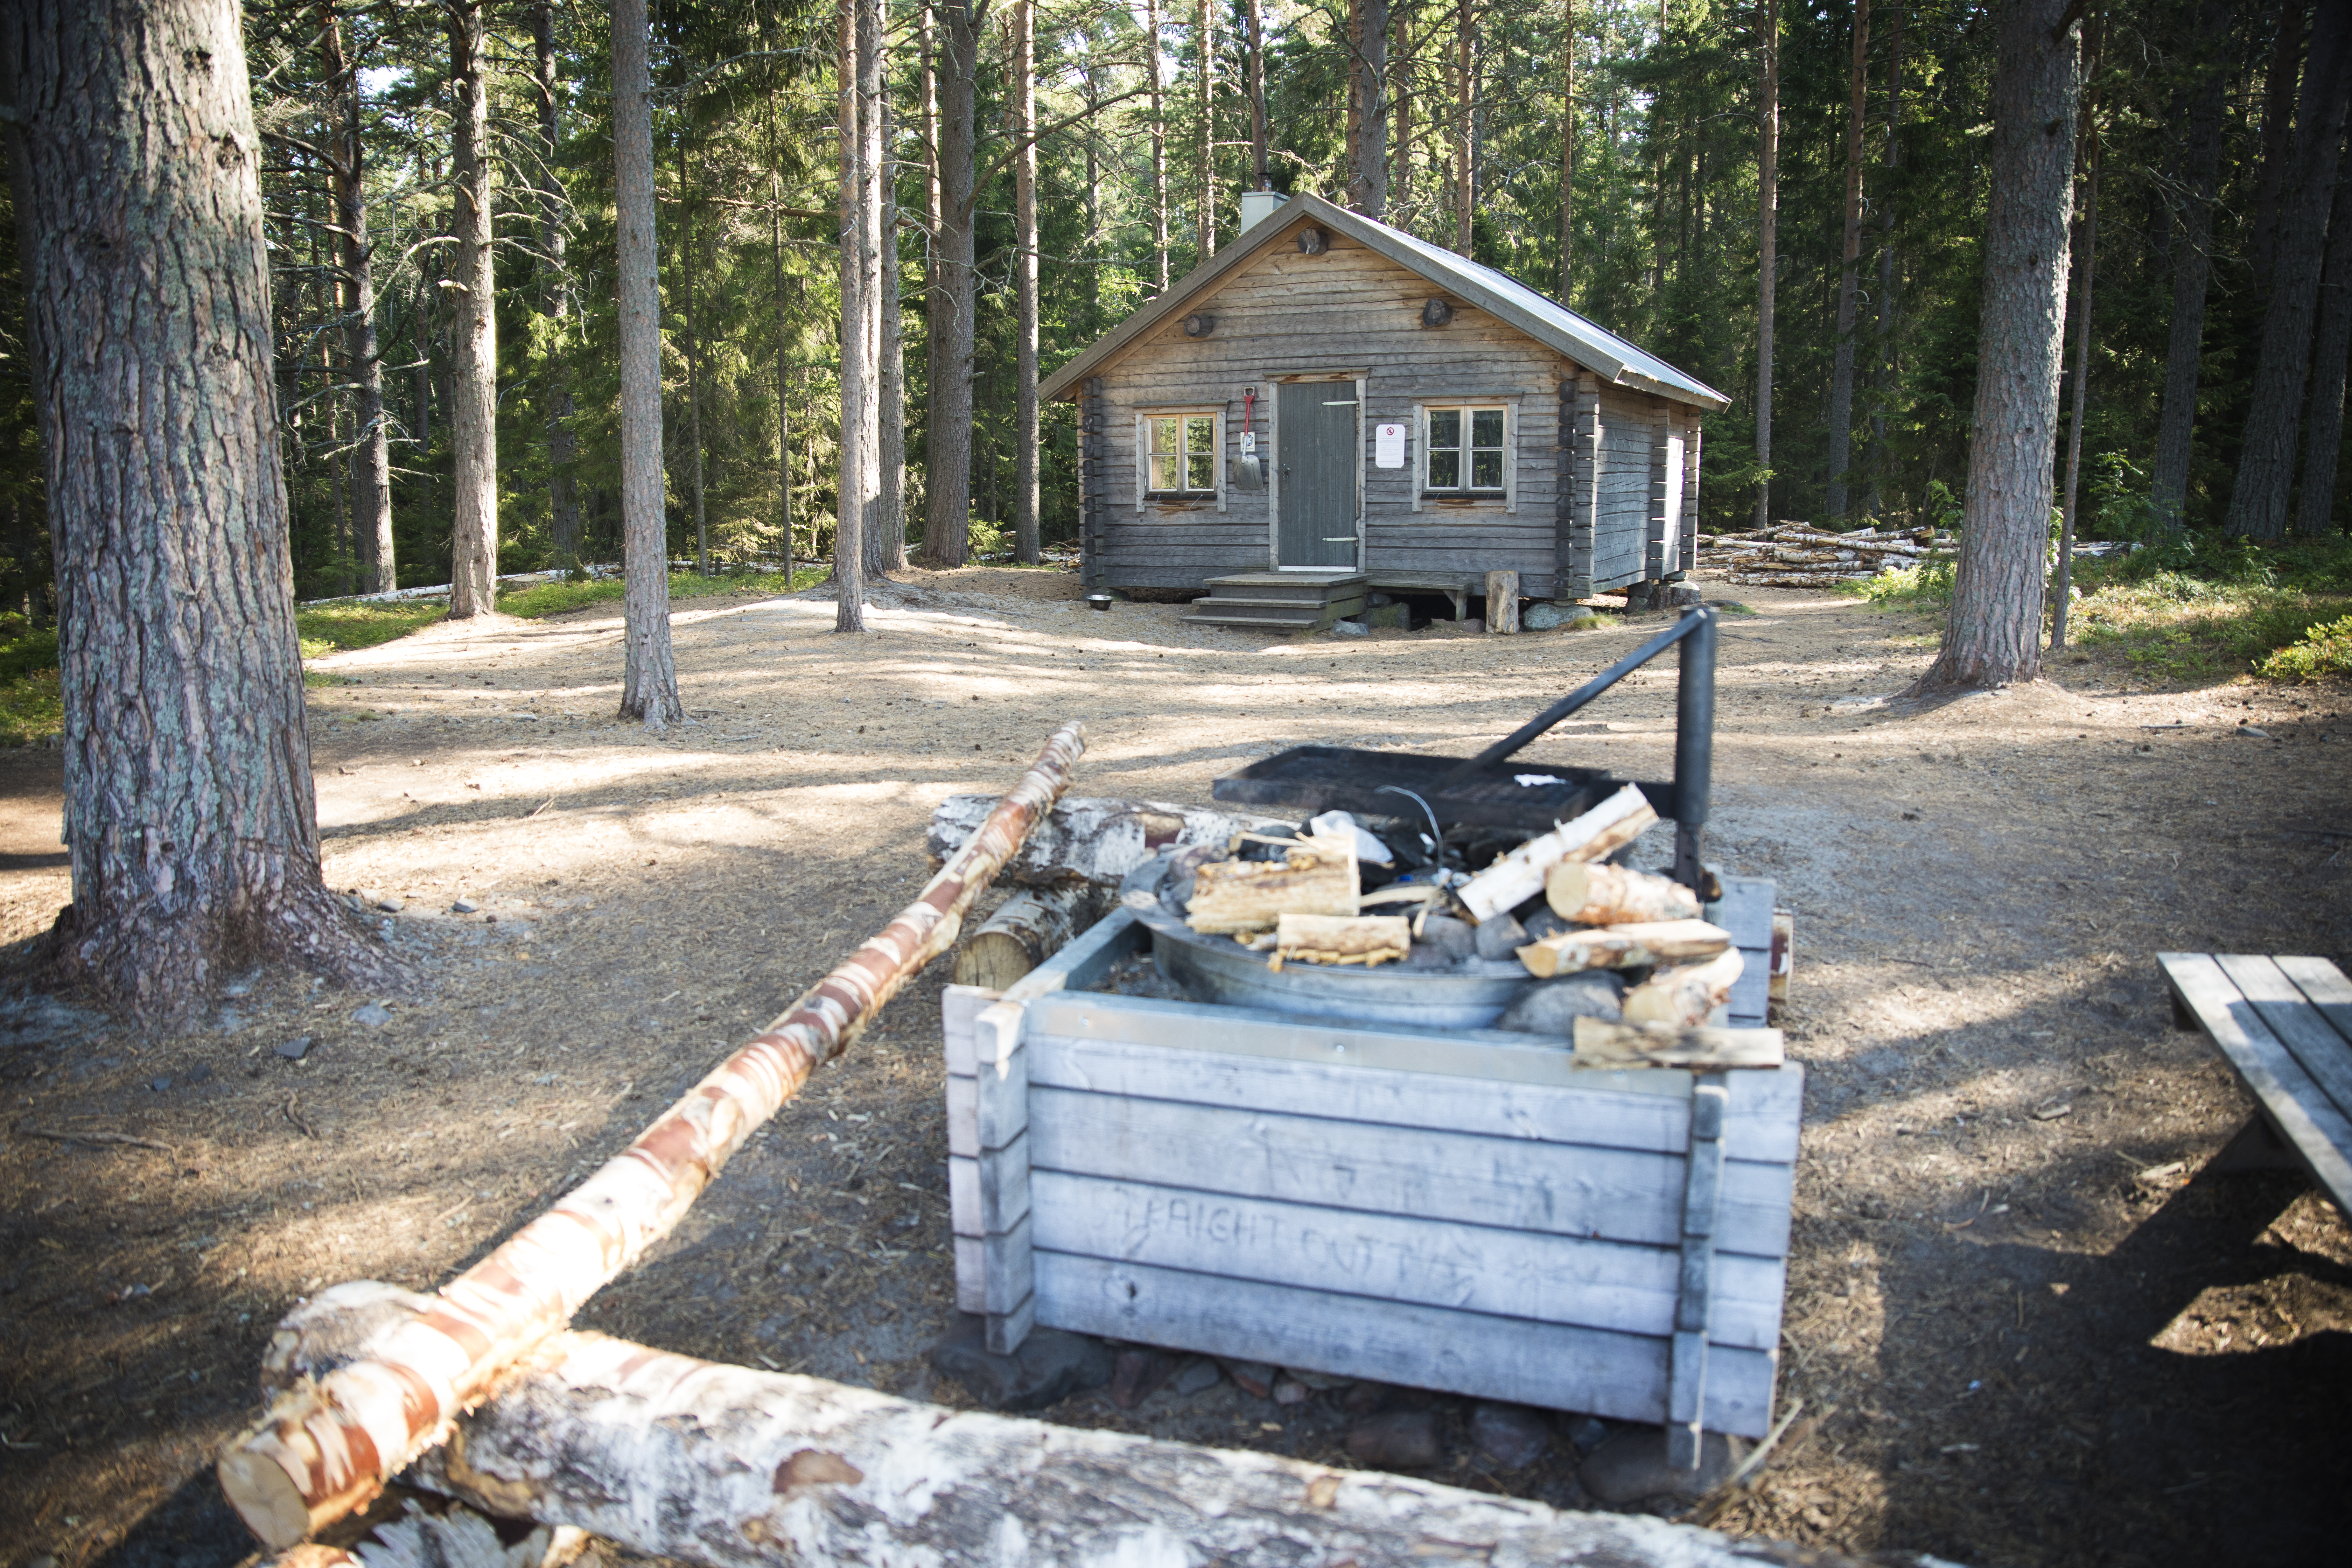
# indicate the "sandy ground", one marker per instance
pixel 2035 1332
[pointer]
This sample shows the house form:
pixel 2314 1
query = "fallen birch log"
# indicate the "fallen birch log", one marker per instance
pixel 1622 947
pixel 1089 839
pixel 1606 895
pixel 1026 930
pixel 1516 877
pixel 729 1468
pixel 1686 993
pixel 1798 579
pixel 328 1444
pixel 1600 1044
pixel 1315 877
pixel 1366 940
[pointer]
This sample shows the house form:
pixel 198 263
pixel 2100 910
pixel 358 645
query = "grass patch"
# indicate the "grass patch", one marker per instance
pixel 32 709
pixel 334 628
pixel 2321 651
pixel 543 599
pixel 1928 586
pixel 2206 610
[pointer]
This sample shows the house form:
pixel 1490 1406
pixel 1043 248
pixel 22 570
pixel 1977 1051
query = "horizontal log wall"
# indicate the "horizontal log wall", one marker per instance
pixel 1350 309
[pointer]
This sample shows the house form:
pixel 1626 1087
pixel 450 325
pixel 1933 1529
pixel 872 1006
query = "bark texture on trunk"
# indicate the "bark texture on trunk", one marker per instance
pixel 1025 276
pixel 693 364
pixel 189 808
pixel 885 542
pixel 2329 349
pixel 1993 633
pixel 1567 149
pixel 1368 107
pixel 649 670
pixel 2278 130
pixel 563 447
pixel 1254 12
pixel 1767 257
pixel 2258 497
pixel 954 291
pixel 1841 413
pixel 1159 147
pixel 370 458
pixel 2192 268
pixel 1465 90
pixel 1205 40
pixel 729 1467
pixel 474 326
pixel 1882 372
pixel 2085 269
pixel 328 1444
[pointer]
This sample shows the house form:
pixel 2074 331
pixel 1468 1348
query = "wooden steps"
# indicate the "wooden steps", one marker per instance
pixel 1280 601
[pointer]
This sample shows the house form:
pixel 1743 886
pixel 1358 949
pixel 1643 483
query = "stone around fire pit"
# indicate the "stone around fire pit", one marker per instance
pixel 1552 1007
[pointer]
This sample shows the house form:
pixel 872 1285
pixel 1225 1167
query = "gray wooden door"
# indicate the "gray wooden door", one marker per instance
pixel 1318 463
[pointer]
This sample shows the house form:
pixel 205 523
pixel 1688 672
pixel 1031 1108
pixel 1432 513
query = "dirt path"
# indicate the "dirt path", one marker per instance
pixel 2044 1343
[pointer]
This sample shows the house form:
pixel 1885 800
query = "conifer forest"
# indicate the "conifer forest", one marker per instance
pixel 1787 198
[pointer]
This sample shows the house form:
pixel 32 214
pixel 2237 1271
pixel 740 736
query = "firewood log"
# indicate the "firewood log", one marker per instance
pixel 1622 947
pixel 1089 839
pixel 729 1467
pixel 1686 993
pixel 1799 579
pixel 327 1446
pixel 1606 895
pixel 1315 877
pixel 1516 877
pixel 1026 930
pixel 1604 1045
pixel 1503 602
pixel 1367 940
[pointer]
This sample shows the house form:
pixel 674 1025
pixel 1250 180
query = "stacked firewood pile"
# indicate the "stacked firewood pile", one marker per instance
pixel 1616 960
pixel 1797 555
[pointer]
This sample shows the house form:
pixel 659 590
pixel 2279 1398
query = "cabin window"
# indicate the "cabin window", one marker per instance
pixel 1183 456
pixel 1464 451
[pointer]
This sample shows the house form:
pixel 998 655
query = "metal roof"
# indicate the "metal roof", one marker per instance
pixel 1544 319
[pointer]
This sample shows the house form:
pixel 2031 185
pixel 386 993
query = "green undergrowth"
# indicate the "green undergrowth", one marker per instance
pixel 334 628
pixel 2203 608
pixel 32 709
pixel 542 599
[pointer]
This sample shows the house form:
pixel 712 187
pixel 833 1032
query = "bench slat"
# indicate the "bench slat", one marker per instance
pixel 2325 985
pixel 2295 1105
pixel 2319 1049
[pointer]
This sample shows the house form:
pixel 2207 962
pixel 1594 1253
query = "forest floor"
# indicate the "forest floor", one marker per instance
pixel 2035 1331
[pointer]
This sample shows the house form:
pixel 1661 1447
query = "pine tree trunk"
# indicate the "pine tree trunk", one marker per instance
pixel 2192 267
pixel 1255 13
pixel 1567 149
pixel 1400 90
pixel 2258 498
pixel 693 365
pixel 1368 122
pixel 1024 271
pixel 1159 149
pixel 563 447
pixel 954 294
pixel 1994 634
pixel 2086 270
pixel 1767 257
pixel 371 466
pixel 783 333
pixel 1205 38
pixel 2330 349
pixel 189 810
pixel 1841 413
pixel 2278 134
pixel 649 672
pixel 1466 24
pixel 885 542
pixel 1881 370
pixel 473 331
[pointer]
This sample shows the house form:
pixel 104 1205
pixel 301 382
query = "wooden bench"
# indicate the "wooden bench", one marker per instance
pixel 2285 1024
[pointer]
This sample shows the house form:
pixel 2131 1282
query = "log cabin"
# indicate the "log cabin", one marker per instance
pixel 1329 409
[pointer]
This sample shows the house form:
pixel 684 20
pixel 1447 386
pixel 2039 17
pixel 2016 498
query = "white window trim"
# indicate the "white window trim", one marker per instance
pixel 1417 460
pixel 1143 494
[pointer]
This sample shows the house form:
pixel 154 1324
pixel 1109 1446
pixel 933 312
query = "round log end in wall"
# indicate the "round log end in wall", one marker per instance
pixel 1437 311
pixel 1200 324
pixel 1313 241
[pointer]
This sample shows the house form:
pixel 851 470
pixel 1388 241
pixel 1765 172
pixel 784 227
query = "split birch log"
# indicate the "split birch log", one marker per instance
pixel 1783 957
pixel 1600 1044
pixel 1516 877
pixel 730 1467
pixel 1798 579
pixel 1503 602
pixel 1622 947
pixel 1026 930
pixel 1367 940
pixel 1089 839
pixel 328 1444
pixel 1315 877
pixel 1605 895
pixel 1685 994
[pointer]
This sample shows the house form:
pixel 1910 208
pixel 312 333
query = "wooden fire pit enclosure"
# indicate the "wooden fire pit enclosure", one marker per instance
pixel 1455 1209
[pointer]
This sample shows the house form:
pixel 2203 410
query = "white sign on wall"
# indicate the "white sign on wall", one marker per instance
pixel 1388 451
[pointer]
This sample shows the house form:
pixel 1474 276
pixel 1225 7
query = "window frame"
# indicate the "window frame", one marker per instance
pixel 1507 492
pixel 1145 496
